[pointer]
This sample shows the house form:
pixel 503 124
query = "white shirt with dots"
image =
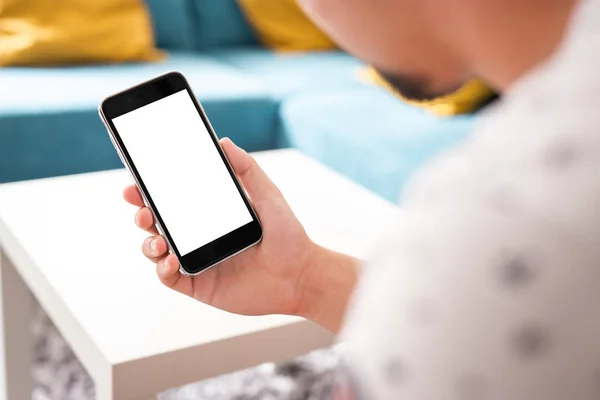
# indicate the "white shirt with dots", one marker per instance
pixel 488 288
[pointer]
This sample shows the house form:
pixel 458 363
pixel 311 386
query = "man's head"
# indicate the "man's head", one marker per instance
pixel 427 48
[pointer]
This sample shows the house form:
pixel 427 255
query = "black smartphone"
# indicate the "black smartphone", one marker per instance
pixel 164 138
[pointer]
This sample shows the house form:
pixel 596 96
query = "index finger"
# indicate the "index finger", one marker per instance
pixel 132 195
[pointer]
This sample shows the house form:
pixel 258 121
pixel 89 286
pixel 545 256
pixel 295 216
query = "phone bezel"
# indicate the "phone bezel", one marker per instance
pixel 148 92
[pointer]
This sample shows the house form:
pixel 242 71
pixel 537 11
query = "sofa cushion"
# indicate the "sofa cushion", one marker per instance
pixel 367 134
pixel 38 32
pixel 220 23
pixel 282 25
pixel 173 25
pixel 287 73
pixel 49 124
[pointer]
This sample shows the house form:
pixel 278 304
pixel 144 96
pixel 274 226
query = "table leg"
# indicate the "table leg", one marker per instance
pixel 16 303
pixel 103 392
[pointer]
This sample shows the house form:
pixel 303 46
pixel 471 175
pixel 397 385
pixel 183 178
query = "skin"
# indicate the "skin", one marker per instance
pixel 432 46
pixel 442 43
pixel 284 266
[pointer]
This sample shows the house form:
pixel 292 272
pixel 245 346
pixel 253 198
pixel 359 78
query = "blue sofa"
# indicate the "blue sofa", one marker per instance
pixel 313 101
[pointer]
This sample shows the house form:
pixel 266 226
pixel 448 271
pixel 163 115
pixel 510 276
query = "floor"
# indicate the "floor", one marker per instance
pixel 58 375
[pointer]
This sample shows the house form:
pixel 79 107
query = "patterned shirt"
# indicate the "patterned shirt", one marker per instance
pixel 488 287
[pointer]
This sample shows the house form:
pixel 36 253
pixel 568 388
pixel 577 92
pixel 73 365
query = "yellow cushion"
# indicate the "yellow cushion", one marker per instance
pixel 46 32
pixel 463 101
pixel 283 26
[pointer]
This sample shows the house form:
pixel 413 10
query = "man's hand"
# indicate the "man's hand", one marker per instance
pixel 284 274
pixel 261 280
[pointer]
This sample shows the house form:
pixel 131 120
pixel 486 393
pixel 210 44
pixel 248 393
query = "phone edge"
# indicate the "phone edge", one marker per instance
pixel 127 166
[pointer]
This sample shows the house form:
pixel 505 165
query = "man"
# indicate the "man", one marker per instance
pixel 488 288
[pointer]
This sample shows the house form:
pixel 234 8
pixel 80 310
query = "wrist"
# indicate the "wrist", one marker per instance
pixel 325 287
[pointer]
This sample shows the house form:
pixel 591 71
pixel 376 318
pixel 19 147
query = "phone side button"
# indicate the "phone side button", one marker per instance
pixel 120 156
pixel 117 149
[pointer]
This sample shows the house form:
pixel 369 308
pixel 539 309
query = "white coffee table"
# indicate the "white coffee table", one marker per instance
pixel 71 242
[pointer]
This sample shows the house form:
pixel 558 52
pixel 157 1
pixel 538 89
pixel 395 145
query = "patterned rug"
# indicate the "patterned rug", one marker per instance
pixel 58 375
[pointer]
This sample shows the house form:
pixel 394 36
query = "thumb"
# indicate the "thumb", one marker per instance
pixel 253 178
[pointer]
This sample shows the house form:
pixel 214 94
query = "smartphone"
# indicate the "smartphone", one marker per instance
pixel 165 140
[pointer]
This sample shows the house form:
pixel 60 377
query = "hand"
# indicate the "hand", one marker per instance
pixel 266 278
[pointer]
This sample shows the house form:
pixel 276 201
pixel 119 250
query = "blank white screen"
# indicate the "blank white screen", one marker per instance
pixel 183 171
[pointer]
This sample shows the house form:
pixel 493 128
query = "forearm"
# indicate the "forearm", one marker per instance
pixel 326 286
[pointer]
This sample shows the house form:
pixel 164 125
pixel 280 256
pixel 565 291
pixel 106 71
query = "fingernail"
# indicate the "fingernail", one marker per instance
pixel 153 245
pixel 165 266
